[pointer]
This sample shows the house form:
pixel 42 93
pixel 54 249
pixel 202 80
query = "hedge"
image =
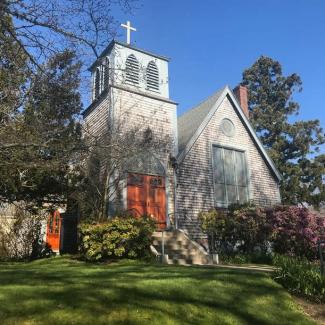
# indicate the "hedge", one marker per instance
pixel 120 237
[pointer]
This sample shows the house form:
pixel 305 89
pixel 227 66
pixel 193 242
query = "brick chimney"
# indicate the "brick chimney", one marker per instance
pixel 241 94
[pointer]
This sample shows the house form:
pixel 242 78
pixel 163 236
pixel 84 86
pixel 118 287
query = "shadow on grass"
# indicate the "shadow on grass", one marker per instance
pixel 65 291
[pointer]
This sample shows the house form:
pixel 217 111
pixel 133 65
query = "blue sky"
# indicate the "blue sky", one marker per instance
pixel 211 42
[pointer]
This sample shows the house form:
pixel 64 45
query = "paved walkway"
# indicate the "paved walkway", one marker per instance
pixel 253 267
pixel 259 268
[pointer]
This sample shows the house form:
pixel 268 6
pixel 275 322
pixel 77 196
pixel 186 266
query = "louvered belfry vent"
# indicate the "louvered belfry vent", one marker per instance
pixel 97 83
pixel 152 76
pixel 132 70
pixel 106 73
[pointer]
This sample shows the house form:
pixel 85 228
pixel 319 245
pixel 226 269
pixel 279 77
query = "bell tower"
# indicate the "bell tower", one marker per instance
pixel 130 87
pixel 123 65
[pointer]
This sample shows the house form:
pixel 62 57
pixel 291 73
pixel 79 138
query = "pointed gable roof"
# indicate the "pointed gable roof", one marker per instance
pixel 192 123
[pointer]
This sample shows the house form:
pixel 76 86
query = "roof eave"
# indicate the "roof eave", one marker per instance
pixel 197 133
pixel 254 135
pixel 113 42
pixel 227 91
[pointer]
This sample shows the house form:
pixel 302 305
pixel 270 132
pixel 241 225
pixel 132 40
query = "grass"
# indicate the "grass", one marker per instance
pixel 61 290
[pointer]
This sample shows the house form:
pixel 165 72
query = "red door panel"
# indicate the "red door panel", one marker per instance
pixel 157 199
pixel 146 195
pixel 53 230
pixel 136 194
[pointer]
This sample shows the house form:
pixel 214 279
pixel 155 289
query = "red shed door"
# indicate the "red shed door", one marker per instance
pixel 146 195
pixel 53 230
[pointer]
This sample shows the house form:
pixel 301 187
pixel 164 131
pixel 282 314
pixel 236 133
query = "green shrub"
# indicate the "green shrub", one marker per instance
pixel 251 228
pixel 120 237
pixel 300 277
pixel 254 258
pixel 219 228
pixel 240 230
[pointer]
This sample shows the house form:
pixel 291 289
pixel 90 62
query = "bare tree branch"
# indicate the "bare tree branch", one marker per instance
pixel 43 27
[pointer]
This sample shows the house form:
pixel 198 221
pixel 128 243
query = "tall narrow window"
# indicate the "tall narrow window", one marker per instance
pixel 230 176
pixel 97 83
pixel 132 70
pixel 152 76
pixel 106 73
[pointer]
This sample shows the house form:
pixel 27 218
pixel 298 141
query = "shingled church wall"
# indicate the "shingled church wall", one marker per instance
pixel 195 191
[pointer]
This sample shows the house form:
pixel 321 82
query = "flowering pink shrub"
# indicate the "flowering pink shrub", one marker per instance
pixel 290 230
pixel 295 231
pixel 251 228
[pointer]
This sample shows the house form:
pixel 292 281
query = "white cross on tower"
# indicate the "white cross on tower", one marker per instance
pixel 128 31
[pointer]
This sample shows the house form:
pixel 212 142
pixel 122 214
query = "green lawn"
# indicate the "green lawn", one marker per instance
pixel 65 291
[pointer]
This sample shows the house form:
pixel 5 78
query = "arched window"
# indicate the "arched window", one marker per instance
pixel 144 163
pixel 152 76
pixel 97 82
pixel 132 70
pixel 106 73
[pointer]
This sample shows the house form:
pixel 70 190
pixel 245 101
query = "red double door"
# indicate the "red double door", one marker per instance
pixel 146 195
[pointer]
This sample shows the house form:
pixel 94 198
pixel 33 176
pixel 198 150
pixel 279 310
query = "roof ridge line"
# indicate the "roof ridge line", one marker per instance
pixel 204 100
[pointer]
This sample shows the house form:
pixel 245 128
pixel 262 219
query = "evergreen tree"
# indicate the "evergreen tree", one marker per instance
pixel 293 146
pixel 14 73
pixel 36 156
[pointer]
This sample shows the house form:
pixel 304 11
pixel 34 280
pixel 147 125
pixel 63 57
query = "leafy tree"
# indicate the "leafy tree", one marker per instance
pixel 293 146
pixel 39 90
pixel 38 150
pixel 14 74
pixel 39 83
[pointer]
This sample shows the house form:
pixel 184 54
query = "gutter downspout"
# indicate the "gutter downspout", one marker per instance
pixel 175 197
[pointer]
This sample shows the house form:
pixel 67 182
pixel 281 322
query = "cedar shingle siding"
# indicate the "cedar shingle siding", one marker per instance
pixel 131 109
pixel 160 116
pixel 195 190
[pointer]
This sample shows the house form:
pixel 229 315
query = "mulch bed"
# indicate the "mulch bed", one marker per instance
pixel 315 311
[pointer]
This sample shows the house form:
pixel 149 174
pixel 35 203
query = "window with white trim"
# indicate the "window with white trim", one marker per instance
pixel 132 70
pixel 230 176
pixel 152 76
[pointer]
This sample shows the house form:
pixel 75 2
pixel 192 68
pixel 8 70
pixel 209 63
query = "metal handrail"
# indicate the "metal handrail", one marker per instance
pixel 322 258
pixel 175 220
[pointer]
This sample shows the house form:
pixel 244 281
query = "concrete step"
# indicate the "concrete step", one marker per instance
pixel 175 246
pixel 180 248
pixel 176 261
pixel 180 253
pixel 168 236
pixel 180 259
pixel 183 251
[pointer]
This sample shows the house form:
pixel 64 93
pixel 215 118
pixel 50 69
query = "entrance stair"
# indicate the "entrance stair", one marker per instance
pixel 175 247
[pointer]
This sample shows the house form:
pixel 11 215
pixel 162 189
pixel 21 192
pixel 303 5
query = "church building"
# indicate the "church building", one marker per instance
pixel 214 156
